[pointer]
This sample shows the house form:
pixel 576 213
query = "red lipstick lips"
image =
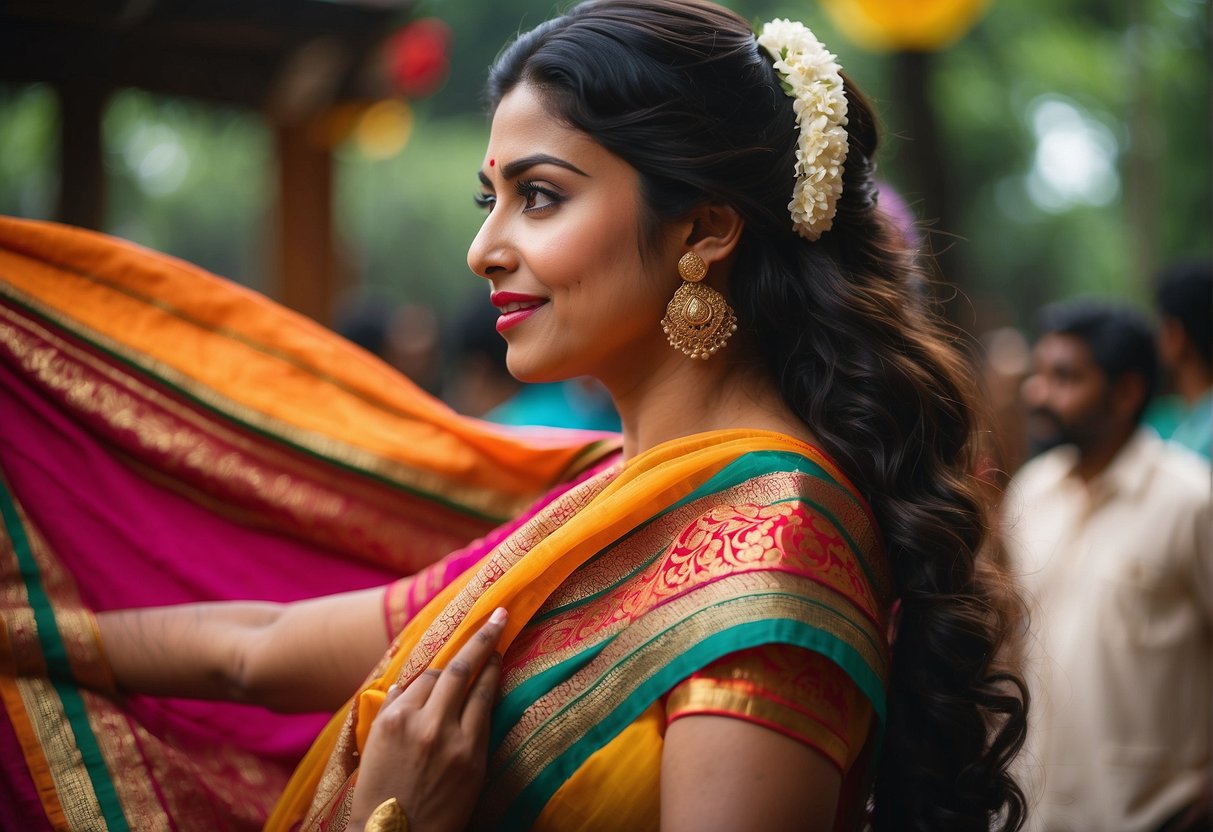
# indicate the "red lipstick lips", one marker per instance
pixel 515 308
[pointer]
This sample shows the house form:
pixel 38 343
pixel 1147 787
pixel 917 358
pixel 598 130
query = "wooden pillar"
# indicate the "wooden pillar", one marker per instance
pixel 1143 156
pixel 927 176
pixel 305 274
pixel 81 199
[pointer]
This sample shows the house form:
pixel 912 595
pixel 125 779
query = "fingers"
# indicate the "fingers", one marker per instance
pixel 479 707
pixel 418 691
pixel 452 686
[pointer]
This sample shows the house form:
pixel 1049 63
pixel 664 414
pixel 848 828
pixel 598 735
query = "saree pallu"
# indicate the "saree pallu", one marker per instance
pixel 618 590
pixel 166 436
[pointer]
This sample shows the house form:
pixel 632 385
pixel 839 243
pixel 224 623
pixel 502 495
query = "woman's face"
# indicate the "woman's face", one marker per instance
pixel 561 248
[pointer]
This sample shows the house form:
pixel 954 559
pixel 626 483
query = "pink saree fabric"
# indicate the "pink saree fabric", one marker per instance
pixel 165 437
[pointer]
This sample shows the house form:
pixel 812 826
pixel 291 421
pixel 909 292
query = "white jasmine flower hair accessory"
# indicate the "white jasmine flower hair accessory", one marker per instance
pixel 812 77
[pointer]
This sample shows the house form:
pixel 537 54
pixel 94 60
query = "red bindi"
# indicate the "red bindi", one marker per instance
pixel 492 162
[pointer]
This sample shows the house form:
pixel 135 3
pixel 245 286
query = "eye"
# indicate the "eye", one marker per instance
pixel 537 198
pixel 485 201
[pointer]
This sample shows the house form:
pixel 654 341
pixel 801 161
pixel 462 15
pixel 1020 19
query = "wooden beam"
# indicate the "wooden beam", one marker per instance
pixel 81 199
pixel 230 51
pixel 305 274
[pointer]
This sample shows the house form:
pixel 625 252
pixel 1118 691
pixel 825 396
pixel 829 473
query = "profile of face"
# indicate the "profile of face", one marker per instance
pixel 1068 397
pixel 561 248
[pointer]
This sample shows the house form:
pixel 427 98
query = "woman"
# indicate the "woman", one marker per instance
pixel 767 606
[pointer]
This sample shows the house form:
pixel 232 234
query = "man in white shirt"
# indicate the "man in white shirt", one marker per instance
pixel 1111 535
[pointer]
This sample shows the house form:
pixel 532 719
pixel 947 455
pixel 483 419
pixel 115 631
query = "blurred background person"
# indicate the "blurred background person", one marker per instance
pixel 405 335
pixel 477 380
pixel 1109 533
pixel 1183 299
pixel 480 384
pixel 577 403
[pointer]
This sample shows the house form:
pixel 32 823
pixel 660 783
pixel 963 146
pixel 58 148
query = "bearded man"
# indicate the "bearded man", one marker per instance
pixel 1110 534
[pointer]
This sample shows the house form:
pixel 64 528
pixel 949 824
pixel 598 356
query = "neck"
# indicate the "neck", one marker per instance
pixel 683 396
pixel 1095 457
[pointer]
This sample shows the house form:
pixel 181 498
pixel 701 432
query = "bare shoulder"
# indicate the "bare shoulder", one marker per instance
pixel 722 773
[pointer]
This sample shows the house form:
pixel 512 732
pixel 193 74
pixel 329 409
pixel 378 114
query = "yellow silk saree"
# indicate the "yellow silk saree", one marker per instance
pixel 618 590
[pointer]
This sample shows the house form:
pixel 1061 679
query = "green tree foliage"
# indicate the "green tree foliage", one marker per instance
pixel 28 123
pixel 406 222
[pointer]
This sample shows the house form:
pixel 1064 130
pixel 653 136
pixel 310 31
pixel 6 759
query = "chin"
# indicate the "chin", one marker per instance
pixel 543 363
pixel 532 373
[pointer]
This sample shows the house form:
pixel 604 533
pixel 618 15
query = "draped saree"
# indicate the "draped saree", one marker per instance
pixel 617 591
pixel 168 437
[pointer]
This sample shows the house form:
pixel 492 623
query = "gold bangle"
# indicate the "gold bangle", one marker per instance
pixel 387 817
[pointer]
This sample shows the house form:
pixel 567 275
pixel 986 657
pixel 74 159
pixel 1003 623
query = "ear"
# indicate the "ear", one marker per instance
pixel 1128 395
pixel 713 231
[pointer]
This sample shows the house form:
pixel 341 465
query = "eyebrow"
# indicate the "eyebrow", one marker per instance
pixel 519 166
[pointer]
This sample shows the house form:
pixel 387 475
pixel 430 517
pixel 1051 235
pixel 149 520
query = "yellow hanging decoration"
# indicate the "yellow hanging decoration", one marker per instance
pixel 384 128
pixel 904 25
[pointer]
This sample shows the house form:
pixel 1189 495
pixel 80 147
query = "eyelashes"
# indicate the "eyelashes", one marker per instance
pixel 535 198
pixel 531 194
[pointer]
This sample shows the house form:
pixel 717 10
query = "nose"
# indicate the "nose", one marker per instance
pixel 490 254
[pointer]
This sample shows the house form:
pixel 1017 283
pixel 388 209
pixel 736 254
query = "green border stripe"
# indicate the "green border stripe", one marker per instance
pixel 746 467
pixel 758 463
pixel 736 472
pixel 527 806
pixel 755 464
pixel 55 651
pixel 510 708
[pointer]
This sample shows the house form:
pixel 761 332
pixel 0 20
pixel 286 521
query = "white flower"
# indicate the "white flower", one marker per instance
pixel 813 80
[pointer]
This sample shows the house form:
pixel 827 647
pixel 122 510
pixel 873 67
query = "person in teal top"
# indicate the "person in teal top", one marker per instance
pixel 1184 299
pixel 576 403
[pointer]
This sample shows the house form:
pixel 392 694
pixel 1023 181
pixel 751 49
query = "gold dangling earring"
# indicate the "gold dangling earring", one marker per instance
pixel 698 320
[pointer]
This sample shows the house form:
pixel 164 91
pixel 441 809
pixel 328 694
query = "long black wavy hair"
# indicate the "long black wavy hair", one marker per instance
pixel 682 92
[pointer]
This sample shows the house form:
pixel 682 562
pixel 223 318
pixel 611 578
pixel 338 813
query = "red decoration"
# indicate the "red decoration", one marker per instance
pixel 418 57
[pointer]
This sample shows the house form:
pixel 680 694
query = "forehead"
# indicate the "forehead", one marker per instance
pixel 1061 350
pixel 524 124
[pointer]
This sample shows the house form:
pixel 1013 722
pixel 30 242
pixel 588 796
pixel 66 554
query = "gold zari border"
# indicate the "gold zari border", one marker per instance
pixel 187 441
pixel 556 721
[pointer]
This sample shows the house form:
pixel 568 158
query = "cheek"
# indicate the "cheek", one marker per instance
pixel 598 260
pixel 1030 390
pixel 576 251
pixel 1074 404
pixel 1036 391
pixel 558 262
pixel 1068 396
pixel 1083 390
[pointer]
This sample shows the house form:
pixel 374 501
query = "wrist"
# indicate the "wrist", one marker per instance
pixel 96 672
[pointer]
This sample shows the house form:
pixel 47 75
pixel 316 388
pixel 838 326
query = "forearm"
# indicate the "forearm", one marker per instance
pixel 195 651
pixel 304 656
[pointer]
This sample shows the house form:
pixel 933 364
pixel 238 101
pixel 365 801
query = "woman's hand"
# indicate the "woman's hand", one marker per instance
pixel 428 746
